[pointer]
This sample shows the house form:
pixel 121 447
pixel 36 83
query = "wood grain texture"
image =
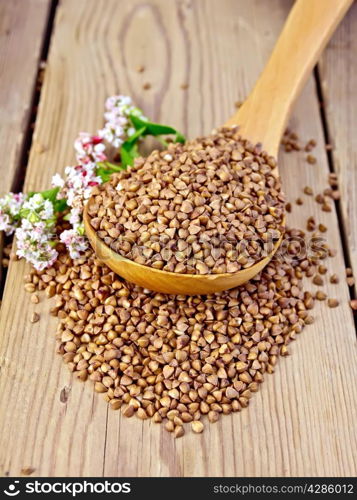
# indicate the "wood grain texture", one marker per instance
pixel 22 30
pixel 303 421
pixel 309 26
pixel 339 85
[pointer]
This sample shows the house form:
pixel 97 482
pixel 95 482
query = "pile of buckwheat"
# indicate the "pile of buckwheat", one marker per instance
pixel 177 359
pixel 208 206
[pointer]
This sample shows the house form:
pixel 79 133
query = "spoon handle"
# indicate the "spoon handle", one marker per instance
pixel 309 26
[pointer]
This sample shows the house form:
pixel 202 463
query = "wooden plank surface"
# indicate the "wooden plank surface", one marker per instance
pixel 339 85
pixel 303 421
pixel 22 30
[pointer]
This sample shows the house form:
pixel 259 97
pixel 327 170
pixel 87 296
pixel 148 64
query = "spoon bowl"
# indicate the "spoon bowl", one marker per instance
pixel 262 119
pixel 169 282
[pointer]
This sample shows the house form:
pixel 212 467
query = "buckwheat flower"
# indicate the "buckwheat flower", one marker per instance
pixel 58 181
pixel 114 134
pixel 118 126
pixel 89 148
pixel 75 217
pixel 75 242
pixel 35 243
pixel 6 224
pixel 79 182
pixel 10 207
pixel 118 101
pixel 36 238
pixel 37 209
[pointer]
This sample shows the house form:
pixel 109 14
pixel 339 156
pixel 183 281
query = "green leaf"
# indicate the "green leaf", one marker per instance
pixel 50 194
pixel 134 138
pixel 60 205
pixel 104 173
pixel 128 152
pixel 113 167
pixel 180 138
pixel 150 127
pixel 106 169
pixel 155 129
pixel 137 122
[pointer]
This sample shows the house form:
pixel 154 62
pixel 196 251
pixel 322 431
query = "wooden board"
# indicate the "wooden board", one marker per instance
pixel 303 421
pixel 339 86
pixel 22 30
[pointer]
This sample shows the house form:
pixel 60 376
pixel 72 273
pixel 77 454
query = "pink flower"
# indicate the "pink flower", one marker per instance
pixel 80 181
pixel 89 148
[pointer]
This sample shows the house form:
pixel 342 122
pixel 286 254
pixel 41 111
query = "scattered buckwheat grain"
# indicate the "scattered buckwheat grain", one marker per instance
pixel 353 304
pixel 311 159
pixel 35 317
pixel 332 302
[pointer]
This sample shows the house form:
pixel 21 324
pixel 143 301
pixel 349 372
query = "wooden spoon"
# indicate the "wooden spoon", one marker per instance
pixel 262 118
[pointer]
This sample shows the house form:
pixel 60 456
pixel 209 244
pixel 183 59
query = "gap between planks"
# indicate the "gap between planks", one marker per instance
pixel 19 165
pixel 330 161
pixel 339 90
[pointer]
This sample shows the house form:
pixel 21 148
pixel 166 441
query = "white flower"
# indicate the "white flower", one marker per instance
pixel 10 206
pixel 15 202
pixel 76 243
pixel 118 126
pixel 6 224
pixel 35 244
pixel 78 186
pixel 75 217
pixel 77 189
pixel 34 202
pixel 38 209
pixel 116 101
pixel 113 135
pixel 36 236
pixel 57 181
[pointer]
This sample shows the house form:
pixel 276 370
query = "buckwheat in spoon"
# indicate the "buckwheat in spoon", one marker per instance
pixel 208 215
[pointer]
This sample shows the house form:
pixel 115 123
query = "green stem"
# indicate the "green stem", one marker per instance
pixel 110 166
pixel 162 141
